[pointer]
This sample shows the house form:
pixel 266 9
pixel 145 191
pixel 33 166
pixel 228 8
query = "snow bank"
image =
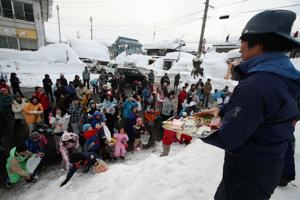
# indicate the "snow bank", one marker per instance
pixel 90 49
pixel 31 66
pixel 191 172
pixel 31 74
pixel 54 53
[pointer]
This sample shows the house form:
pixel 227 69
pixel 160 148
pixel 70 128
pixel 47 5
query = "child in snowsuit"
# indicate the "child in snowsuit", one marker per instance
pixel 150 116
pixel 139 129
pixel 122 139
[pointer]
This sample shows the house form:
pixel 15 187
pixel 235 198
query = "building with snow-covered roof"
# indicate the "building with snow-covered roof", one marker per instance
pixel 22 23
pixel 129 45
pixel 163 47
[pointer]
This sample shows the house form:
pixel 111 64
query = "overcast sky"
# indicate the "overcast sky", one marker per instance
pixel 169 19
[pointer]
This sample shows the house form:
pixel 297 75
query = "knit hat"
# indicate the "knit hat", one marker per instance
pixel 3 89
pixel 34 135
pixel 86 127
pixel 66 137
pixel 97 114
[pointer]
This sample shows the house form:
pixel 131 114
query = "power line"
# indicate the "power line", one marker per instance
pixel 94 5
pixel 82 2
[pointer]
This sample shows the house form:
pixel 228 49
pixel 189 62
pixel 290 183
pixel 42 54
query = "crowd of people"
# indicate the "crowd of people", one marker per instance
pixel 103 122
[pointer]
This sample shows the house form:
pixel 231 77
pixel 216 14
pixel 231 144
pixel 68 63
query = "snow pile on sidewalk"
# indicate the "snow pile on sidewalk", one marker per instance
pixel 53 53
pixel 31 66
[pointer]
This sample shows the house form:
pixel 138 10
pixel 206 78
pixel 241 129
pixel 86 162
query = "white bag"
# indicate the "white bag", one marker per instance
pixel 145 138
pixel 32 163
pixel 107 132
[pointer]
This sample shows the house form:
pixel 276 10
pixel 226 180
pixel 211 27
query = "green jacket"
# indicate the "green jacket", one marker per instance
pixel 6 103
pixel 16 166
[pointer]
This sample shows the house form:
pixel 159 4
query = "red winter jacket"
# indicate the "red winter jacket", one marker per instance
pixel 43 99
pixel 168 137
pixel 182 96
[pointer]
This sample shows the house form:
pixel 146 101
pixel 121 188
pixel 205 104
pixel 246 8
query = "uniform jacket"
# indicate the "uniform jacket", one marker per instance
pixel 258 119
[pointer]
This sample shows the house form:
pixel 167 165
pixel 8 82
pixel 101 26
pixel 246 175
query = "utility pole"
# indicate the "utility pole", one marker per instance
pixel 57 8
pixel 203 28
pixel 91 20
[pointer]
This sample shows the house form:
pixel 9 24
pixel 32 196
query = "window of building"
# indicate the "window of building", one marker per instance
pixel 19 10
pixel 27 44
pixel 28 9
pixel 7 8
pixel 1 12
pixel 12 43
pixel 167 64
pixel 23 11
pixel 8 42
pixel 3 42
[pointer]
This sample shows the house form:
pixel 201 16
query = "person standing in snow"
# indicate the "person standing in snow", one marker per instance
pixel 47 84
pixel 207 90
pixel 121 141
pixel 151 77
pixel 86 78
pixel 6 114
pixel 258 121
pixel 165 79
pixel 15 84
pixel 63 80
pixel 176 82
pixel 33 112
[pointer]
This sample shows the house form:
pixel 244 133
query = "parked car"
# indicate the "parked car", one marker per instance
pixel 93 65
pixel 111 68
pixel 131 74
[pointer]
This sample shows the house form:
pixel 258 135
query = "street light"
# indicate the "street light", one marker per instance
pixel 224 17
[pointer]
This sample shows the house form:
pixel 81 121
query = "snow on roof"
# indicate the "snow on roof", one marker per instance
pixel 54 53
pixel 190 47
pixel 90 49
pixel 162 45
pixel 138 59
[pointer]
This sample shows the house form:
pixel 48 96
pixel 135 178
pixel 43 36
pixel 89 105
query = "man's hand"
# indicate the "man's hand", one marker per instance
pixel 213 111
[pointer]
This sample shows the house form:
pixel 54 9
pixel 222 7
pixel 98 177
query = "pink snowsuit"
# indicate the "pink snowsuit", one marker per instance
pixel 120 145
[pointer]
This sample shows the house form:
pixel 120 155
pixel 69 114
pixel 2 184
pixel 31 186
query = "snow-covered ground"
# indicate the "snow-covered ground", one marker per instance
pixel 191 172
pixel 188 173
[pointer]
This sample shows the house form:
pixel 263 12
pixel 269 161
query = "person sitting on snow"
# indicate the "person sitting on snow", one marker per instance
pixel 81 160
pixel 16 165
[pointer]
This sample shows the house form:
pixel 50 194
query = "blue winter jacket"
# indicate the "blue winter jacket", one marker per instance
pixel 257 122
pixel 128 105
